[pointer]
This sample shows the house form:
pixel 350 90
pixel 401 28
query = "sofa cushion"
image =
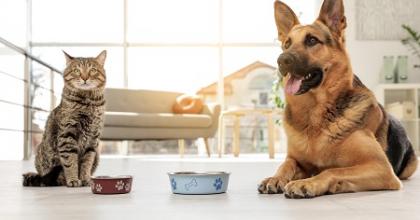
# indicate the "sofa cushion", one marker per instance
pixel 157 120
pixel 145 101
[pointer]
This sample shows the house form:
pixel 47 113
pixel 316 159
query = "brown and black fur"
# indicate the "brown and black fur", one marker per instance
pixel 68 154
pixel 339 138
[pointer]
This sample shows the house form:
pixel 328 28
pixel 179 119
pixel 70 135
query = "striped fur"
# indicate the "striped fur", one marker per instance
pixel 68 154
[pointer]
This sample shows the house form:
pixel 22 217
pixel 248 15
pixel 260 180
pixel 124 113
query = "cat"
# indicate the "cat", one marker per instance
pixel 68 153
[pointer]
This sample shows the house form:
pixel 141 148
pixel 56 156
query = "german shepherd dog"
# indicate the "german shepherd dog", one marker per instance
pixel 339 138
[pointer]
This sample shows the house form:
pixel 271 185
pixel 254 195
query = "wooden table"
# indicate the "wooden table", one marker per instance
pixel 237 114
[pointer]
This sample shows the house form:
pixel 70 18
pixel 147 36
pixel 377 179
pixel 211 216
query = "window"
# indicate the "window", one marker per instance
pixel 77 21
pixel 183 69
pixel 182 45
pixel 168 21
pixel 11 104
pixel 263 98
pixel 235 58
pixel 156 42
pixel 13 21
pixel 248 21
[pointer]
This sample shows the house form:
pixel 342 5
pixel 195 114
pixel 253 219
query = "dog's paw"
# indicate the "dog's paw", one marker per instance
pixel 303 189
pixel 74 183
pixel 272 185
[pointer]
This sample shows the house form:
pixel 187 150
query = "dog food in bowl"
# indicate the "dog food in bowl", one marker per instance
pixel 111 184
pixel 195 183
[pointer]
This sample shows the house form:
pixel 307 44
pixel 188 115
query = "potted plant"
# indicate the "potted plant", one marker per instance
pixel 277 94
pixel 412 42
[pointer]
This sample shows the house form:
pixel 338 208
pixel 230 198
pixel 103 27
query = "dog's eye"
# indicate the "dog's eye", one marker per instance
pixel 311 41
pixel 287 44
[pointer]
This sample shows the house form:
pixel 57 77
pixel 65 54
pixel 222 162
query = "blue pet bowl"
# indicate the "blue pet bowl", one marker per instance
pixel 194 183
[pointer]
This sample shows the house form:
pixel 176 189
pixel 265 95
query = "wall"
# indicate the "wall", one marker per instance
pixel 366 56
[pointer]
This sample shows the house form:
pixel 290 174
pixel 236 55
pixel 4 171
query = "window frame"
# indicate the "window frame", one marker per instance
pixel 125 45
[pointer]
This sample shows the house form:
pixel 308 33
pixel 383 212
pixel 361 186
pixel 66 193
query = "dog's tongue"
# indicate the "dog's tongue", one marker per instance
pixel 293 85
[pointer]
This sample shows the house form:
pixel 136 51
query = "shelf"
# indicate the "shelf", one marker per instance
pixel 399 86
pixel 403 92
pixel 410 120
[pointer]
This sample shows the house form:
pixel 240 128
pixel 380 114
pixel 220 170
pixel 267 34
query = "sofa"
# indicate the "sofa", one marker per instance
pixel 147 115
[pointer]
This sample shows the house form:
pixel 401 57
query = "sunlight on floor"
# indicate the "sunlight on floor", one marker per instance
pixel 202 158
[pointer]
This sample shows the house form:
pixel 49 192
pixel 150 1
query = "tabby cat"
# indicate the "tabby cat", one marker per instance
pixel 68 154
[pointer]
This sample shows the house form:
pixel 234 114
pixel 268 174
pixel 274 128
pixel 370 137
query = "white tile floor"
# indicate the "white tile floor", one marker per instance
pixel 151 197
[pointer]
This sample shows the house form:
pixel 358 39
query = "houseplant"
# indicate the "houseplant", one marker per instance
pixel 412 41
pixel 277 92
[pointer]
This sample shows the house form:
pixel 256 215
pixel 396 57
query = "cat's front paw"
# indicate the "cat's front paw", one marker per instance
pixel 86 182
pixel 74 183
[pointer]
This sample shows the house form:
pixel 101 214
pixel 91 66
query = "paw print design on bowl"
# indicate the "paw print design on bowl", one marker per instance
pixel 111 184
pixel 218 183
pixel 127 187
pixel 173 184
pixel 98 187
pixel 119 185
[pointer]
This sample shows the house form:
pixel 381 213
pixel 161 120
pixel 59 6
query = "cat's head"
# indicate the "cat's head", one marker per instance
pixel 86 74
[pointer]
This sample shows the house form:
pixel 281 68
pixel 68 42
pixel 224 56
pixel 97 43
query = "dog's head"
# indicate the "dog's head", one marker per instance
pixel 311 51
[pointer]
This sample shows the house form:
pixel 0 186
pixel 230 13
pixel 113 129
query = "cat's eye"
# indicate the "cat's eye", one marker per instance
pixel 76 71
pixel 93 71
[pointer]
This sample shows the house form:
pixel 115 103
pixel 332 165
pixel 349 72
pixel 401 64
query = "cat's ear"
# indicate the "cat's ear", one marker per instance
pixel 68 57
pixel 101 57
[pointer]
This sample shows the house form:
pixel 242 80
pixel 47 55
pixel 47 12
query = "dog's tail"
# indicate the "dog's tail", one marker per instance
pixel 410 167
pixel 50 179
pixel 400 151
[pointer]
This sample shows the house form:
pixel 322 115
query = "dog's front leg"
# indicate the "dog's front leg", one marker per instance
pixel 287 172
pixel 369 176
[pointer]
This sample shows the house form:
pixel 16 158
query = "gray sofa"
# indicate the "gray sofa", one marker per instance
pixel 147 115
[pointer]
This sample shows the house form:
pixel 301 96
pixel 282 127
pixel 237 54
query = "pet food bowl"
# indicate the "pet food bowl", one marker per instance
pixel 111 184
pixel 195 183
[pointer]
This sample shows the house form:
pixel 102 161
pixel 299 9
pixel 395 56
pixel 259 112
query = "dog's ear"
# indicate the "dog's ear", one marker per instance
pixel 285 19
pixel 332 15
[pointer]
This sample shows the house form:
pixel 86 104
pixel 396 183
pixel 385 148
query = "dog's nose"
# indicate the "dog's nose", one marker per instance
pixel 285 60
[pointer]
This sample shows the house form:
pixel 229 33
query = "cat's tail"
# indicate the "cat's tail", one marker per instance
pixel 50 179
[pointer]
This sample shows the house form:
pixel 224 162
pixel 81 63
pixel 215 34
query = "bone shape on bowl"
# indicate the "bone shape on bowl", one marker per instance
pixel 191 184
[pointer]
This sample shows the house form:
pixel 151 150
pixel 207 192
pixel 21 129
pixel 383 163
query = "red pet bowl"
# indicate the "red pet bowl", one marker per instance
pixel 111 184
